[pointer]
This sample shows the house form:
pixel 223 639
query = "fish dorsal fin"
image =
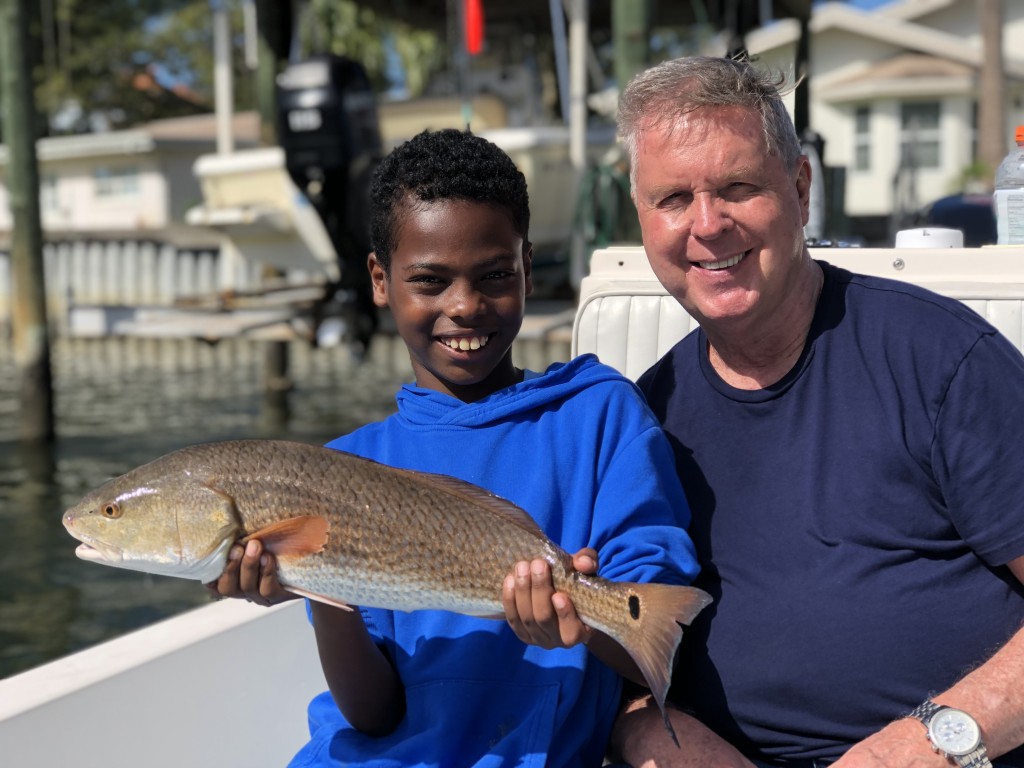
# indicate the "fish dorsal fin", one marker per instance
pixel 301 535
pixel 482 497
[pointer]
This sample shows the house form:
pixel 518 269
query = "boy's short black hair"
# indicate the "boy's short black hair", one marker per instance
pixel 443 165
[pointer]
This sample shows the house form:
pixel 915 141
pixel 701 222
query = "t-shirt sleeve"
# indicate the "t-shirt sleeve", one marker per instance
pixel 979 449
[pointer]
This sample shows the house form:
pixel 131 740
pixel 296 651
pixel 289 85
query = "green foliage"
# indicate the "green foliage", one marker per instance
pixel 422 54
pixel 105 55
pixel 91 52
pixel 349 29
pixel 976 177
pixel 181 43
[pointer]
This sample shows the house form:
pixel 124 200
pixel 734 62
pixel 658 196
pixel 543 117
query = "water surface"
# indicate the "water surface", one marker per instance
pixel 119 403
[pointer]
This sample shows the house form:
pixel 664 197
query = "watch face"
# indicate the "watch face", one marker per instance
pixel 954 732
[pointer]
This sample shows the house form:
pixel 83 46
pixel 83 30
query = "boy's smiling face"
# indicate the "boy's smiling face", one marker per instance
pixel 460 275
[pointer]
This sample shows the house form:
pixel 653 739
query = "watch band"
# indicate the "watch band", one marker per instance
pixel 976 759
pixel 925 711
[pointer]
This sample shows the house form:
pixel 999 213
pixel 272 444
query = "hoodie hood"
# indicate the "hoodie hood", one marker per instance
pixel 428 408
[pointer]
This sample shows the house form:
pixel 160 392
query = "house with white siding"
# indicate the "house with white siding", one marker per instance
pixel 893 92
pixel 884 81
pixel 137 182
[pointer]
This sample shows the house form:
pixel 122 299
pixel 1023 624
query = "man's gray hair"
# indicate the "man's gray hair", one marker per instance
pixel 668 91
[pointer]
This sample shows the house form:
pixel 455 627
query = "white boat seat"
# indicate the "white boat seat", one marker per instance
pixel 627 319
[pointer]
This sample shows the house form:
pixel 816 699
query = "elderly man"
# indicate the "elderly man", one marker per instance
pixel 852 449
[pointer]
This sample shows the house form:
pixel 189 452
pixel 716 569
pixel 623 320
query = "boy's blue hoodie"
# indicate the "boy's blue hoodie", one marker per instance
pixel 578 449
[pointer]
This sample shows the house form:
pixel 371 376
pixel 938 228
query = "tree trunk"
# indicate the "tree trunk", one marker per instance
pixel 30 329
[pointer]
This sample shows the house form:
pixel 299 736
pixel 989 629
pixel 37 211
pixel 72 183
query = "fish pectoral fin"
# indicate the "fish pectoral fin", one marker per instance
pixel 320 598
pixel 302 535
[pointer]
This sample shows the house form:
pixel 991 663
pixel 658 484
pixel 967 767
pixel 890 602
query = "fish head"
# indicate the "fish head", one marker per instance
pixel 174 525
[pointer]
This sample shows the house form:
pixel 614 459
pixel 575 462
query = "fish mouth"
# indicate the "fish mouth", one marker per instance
pixel 90 549
pixel 95 553
pixel 466 343
pixel 205 569
pixel 732 261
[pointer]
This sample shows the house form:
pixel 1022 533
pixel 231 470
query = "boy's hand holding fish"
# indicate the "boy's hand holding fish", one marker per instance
pixel 251 574
pixel 537 613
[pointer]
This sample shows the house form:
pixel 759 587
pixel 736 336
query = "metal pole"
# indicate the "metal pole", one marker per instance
pixel 561 55
pixel 631 28
pixel 579 21
pixel 31 336
pixel 992 97
pixel 223 83
pixel 802 93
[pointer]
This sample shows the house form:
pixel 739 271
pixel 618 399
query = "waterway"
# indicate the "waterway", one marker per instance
pixel 119 403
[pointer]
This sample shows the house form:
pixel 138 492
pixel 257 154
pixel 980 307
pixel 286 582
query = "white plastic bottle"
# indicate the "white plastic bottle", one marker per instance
pixel 1008 198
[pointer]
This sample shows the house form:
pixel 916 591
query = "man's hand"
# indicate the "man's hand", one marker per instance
pixel 251 574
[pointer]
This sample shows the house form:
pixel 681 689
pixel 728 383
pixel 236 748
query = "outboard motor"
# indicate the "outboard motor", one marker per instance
pixel 330 133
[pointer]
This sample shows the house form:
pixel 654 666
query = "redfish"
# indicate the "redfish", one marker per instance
pixel 351 531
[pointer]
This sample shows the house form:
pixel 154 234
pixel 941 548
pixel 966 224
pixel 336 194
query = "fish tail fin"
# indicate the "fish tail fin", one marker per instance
pixel 652 636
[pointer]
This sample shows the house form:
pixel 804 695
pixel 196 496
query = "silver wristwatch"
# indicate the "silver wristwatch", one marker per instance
pixel 953 733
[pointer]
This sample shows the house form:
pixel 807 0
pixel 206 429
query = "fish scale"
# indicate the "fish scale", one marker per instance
pixel 348 530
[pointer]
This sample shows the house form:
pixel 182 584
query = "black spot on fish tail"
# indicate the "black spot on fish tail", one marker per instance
pixel 634 607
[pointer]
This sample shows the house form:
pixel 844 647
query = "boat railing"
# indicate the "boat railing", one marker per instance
pixel 222 685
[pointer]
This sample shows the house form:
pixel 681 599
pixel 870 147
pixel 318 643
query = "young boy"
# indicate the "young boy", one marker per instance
pixel 575 446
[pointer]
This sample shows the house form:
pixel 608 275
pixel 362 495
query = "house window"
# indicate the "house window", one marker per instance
pixel 862 139
pixel 48 199
pixel 919 134
pixel 116 182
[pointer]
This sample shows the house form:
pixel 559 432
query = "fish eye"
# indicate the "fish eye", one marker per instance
pixel 111 510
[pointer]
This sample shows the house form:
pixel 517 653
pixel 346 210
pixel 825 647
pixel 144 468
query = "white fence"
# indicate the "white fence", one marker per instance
pixel 145 273
pixel 126 273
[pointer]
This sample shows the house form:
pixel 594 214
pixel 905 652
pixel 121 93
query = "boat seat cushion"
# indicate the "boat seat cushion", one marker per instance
pixel 626 318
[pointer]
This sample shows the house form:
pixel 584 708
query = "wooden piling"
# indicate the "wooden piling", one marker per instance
pixel 29 325
pixel 271 19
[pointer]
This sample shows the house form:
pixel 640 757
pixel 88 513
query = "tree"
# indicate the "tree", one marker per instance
pixel 92 54
pixel 348 28
pixel 114 63
pixel 181 46
pixel 29 327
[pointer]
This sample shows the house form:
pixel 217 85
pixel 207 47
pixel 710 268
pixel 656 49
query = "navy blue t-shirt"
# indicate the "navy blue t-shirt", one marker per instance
pixel 853 521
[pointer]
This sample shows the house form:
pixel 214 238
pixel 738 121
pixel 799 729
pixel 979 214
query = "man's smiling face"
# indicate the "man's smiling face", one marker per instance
pixel 722 220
